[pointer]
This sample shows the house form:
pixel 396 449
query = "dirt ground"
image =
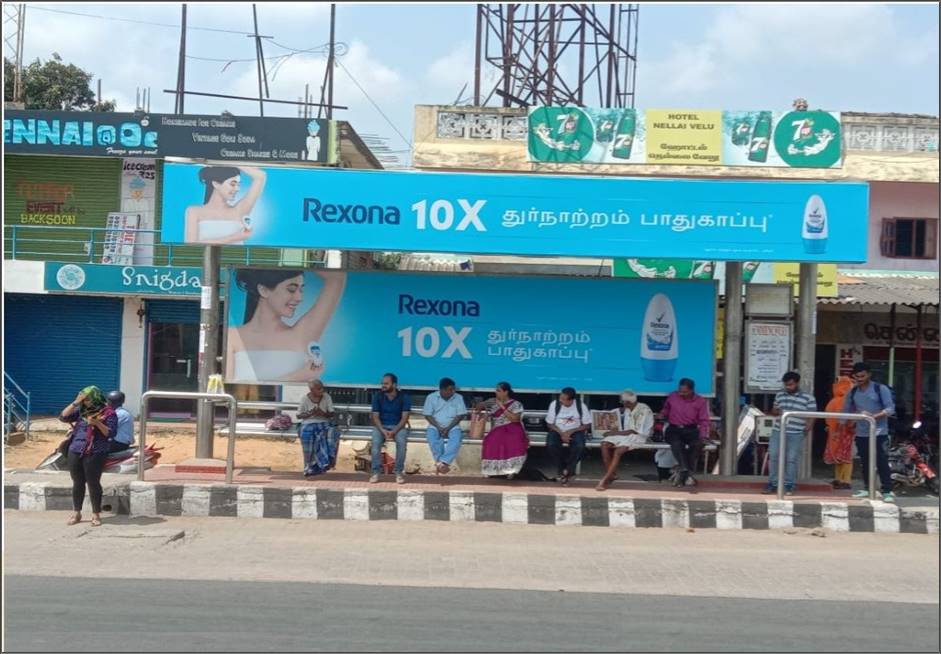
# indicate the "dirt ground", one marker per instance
pixel 177 446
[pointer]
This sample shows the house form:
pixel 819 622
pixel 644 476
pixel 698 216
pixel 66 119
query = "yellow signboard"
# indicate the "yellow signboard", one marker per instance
pixel 789 273
pixel 720 332
pixel 684 136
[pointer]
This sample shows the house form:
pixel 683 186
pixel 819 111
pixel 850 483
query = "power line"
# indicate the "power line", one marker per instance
pixel 142 22
pixel 373 102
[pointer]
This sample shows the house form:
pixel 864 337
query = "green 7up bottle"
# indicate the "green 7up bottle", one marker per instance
pixel 624 139
pixel 760 138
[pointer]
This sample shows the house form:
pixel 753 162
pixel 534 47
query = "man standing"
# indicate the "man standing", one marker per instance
pixel 872 399
pixel 444 411
pixel 636 423
pixel 124 436
pixel 569 421
pixel 687 417
pixel 390 409
pixel 790 399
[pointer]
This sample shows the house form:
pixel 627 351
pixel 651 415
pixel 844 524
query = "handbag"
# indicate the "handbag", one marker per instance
pixel 63 448
pixel 478 425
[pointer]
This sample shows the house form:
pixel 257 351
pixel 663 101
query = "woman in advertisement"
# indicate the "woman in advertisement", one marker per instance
pixel 505 446
pixel 266 348
pixel 220 219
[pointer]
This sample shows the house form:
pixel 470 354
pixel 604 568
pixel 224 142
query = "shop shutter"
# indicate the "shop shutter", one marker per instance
pixel 57 344
pixel 77 191
pixel 173 311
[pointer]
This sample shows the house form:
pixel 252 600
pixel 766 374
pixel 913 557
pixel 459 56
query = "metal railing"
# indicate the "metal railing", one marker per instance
pixel 181 395
pixel 16 406
pixel 782 439
pixel 87 245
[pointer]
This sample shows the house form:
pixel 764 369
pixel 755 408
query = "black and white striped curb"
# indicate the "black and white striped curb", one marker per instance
pixel 150 499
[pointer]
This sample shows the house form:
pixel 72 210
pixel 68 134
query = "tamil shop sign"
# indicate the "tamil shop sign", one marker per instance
pixel 121 280
pixel 688 137
pixel 236 138
pixel 516 214
pixel 348 328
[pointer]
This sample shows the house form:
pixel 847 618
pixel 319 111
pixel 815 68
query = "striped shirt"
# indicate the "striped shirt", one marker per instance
pixel 799 401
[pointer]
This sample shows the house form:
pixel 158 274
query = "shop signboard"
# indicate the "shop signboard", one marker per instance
pixel 687 137
pixel 517 214
pixel 348 328
pixel 222 138
pixel 121 280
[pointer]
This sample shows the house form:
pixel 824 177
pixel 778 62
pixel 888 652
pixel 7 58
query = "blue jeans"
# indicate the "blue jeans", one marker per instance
pixel 882 461
pixel 440 452
pixel 792 457
pixel 401 444
pixel 566 462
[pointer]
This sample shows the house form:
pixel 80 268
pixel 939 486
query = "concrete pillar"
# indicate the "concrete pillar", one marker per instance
pixel 208 349
pixel 731 370
pixel 807 345
pixel 133 355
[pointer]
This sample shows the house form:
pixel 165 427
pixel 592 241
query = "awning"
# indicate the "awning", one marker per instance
pixel 885 289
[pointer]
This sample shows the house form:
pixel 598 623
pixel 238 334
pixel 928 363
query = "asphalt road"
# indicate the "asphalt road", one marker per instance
pixel 102 615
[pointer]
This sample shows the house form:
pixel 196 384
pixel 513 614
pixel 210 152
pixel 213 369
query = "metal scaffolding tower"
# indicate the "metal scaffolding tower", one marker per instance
pixel 14 23
pixel 555 54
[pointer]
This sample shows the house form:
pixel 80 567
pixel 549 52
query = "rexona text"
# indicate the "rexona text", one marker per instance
pixel 429 307
pixel 358 214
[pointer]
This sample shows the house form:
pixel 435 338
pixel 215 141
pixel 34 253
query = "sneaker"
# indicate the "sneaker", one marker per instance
pixel 888 497
pixel 374 479
pixel 690 481
pixel 769 490
pixel 400 479
pixel 788 492
pixel 861 494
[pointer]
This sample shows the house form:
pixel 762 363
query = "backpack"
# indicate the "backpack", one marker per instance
pixel 893 421
pixel 578 403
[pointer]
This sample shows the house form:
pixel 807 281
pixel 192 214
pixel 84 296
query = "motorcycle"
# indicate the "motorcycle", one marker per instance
pixel 122 461
pixel 909 462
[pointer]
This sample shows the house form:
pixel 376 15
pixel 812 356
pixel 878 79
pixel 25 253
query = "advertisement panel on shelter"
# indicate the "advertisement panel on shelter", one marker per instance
pixel 687 137
pixel 226 137
pixel 515 214
pixel 538 333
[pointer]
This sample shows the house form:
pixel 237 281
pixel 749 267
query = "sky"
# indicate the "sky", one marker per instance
pixel 843 56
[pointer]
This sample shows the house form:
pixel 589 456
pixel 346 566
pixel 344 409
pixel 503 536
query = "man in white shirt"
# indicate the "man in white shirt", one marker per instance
pixel 444 411
pixel 569 423
pixel 636 423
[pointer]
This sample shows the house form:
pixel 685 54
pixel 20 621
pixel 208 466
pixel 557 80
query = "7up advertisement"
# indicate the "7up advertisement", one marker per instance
pixel 688 137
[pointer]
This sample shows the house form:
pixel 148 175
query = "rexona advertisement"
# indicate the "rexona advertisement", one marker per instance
pixel 515 214
pixel 538 333
pixel 237 138
pixel 689 137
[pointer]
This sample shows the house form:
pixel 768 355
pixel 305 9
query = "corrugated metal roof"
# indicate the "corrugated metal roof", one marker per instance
pixel 867 289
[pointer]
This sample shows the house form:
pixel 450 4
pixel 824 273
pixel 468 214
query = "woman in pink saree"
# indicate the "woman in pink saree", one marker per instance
pixel 505 446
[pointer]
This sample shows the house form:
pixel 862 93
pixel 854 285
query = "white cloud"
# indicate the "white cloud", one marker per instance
pixel 449 73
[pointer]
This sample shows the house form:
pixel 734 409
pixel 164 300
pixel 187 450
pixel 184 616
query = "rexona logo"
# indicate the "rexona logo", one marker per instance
pixel 428 307
pixel 359 214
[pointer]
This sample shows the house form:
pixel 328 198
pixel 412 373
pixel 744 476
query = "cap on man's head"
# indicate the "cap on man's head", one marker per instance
pixel 861 366
pixel 627 395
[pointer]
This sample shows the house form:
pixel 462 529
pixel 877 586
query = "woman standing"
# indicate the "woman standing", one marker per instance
pixel 94 425
pixel 505 446
pixel 272 298
pixel 319 437
pixel 839 451
pixel 220 219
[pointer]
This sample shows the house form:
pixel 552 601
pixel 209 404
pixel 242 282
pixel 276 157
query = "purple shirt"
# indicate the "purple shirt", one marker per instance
pixel 682 413
pixel 100 443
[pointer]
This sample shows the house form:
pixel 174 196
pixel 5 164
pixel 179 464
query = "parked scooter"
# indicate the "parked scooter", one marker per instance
pixel 122 461
pixel 909 461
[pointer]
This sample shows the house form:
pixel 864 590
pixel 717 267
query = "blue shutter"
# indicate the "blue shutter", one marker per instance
pixel 58 344
pixel 184 312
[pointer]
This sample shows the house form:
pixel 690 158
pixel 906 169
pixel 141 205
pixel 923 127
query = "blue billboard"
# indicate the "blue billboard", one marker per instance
pixel 516 214
pixel 538 333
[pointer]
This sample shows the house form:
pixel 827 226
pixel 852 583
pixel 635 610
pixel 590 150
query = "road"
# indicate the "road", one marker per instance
pixel 215 584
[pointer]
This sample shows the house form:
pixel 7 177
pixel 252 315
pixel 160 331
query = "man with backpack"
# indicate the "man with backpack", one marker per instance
pixel 871 398
pixel 569 422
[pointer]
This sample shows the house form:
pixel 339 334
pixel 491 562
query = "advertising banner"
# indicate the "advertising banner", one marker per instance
pixel 768 348
pixel 106 134
pixel 121 280
pixel 538 333
pixel 687 137
pixel 752 271
pixel 515 214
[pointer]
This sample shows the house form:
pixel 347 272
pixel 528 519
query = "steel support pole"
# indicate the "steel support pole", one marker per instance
pixel 732 365
pixel 208 348
pixel 807 347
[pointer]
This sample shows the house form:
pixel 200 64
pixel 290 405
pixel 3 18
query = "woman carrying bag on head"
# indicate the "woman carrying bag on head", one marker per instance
pixel 94 424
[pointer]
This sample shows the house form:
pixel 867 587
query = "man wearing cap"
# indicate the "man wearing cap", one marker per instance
pixel 636 423
pixel 872 399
